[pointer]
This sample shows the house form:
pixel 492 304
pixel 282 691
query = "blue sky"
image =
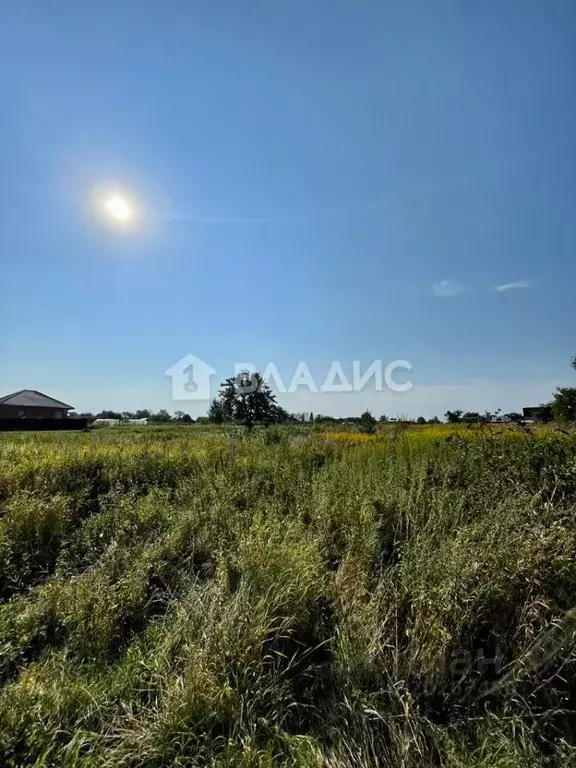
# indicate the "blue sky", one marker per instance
pixel 315 182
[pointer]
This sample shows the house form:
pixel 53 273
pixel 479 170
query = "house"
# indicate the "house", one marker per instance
pixel 536 413
pixel 31 404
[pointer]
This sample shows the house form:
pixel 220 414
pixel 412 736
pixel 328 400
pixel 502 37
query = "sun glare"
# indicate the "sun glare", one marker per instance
pixel 118 208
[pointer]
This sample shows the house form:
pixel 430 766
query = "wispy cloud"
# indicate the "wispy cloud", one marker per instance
pixel 447 288
pixel 511 286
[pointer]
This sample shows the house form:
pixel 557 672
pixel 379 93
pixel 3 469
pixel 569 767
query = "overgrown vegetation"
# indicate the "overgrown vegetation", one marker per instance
pixel 195 596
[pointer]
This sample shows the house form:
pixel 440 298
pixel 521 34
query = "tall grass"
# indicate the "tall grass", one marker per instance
pixel 186 597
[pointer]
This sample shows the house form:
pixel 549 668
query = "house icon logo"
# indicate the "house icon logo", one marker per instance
pixel 190 379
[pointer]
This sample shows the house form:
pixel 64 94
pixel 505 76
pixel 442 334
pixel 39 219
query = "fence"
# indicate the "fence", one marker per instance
pixel 11 425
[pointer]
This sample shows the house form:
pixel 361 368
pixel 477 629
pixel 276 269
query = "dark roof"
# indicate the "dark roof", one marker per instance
pixel 32 398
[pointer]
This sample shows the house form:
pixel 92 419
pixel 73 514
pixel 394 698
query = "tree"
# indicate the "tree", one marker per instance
pixel 420 420
pixel 513 416
pixel 143 413
pixel 546 413
pixel 383 419
pixel 471 417
pixel 367 423
pixel 182 417
pixel 109 415
pixel 564 404
pixel 282 415
pixel 434 420
pixel 247 399
pixel 216 412
pixel 453 417
pixel 162 417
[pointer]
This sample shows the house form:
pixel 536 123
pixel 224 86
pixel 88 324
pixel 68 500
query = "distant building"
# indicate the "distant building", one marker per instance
pixel 536 413
pixel 117 422
pixel 31 404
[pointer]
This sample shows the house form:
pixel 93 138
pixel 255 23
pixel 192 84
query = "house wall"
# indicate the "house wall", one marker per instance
pixel 31 412
pixel 535 414
pixel 13 425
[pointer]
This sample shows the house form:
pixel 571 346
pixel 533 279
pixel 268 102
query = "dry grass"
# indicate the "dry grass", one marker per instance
pixel 191 597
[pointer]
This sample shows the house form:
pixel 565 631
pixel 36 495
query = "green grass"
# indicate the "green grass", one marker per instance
pixel 194 596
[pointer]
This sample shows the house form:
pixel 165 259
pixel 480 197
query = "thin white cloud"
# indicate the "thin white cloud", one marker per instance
pixel 511 286
pixel 447 288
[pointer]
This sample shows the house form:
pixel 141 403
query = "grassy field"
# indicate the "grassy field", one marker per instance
pixel 192 597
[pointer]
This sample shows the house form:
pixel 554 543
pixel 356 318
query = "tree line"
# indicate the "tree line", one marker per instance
pixel 154 417
pixel 248 400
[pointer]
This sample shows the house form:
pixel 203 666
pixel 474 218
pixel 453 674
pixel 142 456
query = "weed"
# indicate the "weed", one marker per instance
pixel 198 596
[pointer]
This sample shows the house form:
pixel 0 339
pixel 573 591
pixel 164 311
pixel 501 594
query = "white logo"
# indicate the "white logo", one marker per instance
pixel 190 379
pixel 335 380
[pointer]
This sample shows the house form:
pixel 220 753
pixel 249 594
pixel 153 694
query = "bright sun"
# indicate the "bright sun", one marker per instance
pixel 118 207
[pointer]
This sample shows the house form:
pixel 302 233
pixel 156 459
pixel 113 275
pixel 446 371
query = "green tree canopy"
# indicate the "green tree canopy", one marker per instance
pixel 246 399
pixel 216 412
pixel 367 423
pixel 162 417
pixel 471 417
pixel 564 404
pixel 109 415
